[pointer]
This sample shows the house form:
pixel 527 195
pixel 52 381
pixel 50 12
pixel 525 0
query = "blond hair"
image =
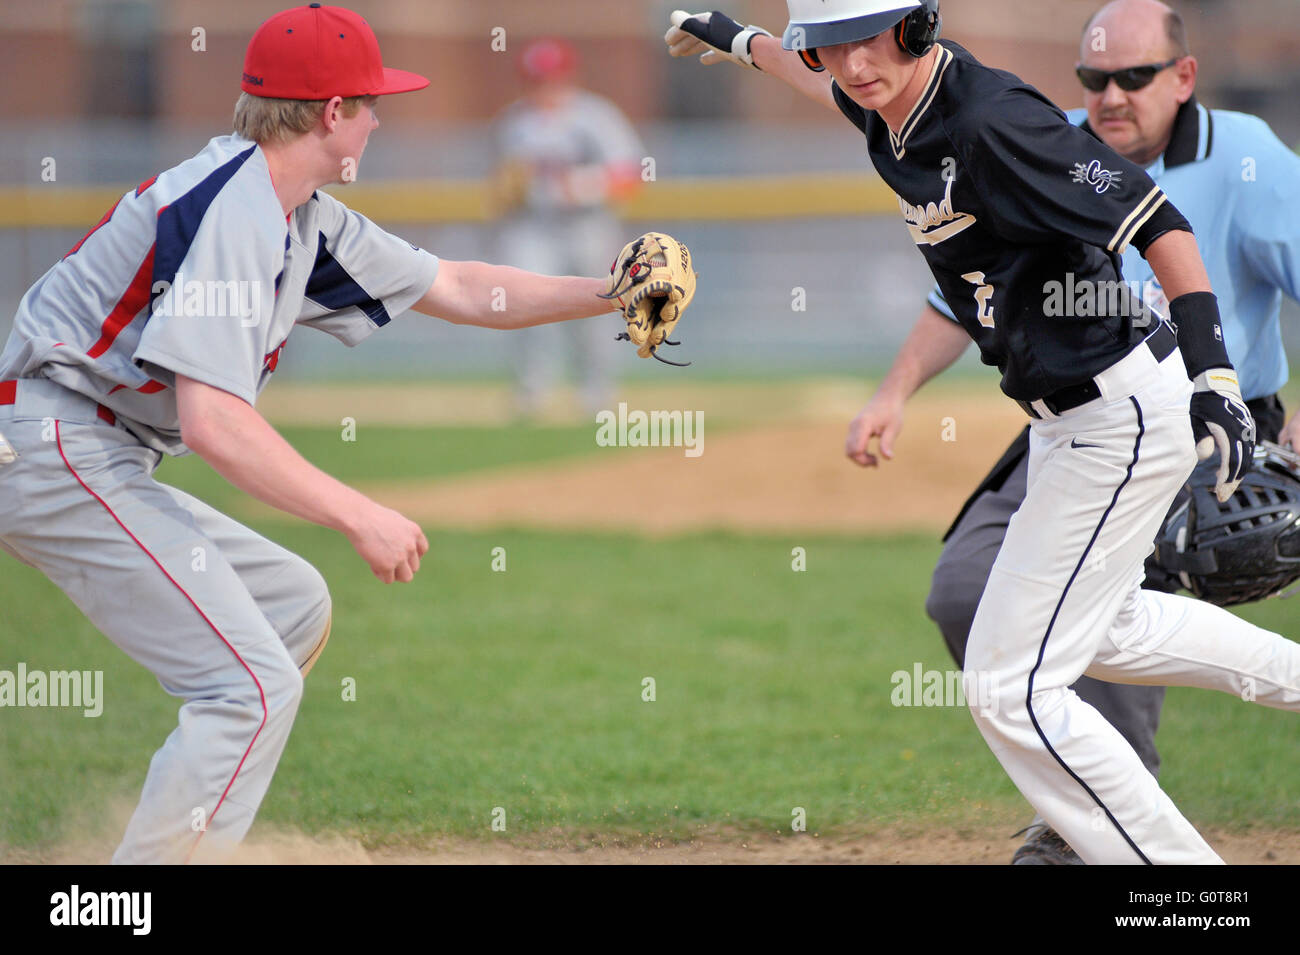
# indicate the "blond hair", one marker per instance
pixel 264 119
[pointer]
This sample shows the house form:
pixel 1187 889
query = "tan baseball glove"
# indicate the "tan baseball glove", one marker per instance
pixel 653 282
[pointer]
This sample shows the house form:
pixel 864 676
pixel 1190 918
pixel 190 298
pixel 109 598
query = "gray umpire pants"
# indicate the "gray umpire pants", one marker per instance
pixel 224 618
pixel 963 570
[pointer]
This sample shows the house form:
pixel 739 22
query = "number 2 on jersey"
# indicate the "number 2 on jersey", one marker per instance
pixel 983 296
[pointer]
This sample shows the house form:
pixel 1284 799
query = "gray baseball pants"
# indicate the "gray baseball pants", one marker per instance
pixel 225 619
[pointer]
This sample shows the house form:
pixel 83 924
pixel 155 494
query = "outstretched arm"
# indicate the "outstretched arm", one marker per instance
pixel 718 37
pixel 651 282
pixel 498 296
pixel 786 66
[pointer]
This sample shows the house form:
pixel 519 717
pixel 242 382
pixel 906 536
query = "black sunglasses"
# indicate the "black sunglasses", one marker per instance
pixel 1133 78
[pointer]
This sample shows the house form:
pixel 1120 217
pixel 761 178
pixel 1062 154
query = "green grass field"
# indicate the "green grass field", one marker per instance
pixel 478 689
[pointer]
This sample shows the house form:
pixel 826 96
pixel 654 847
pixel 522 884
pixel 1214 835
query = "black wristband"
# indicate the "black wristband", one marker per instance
pixel 1195 317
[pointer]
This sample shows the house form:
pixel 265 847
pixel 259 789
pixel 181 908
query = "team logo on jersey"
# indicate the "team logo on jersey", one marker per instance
pixel 936 222
pixel 1093 175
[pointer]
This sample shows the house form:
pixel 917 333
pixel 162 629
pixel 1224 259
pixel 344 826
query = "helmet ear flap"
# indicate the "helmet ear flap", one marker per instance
pixel 917 32
pixel 811 60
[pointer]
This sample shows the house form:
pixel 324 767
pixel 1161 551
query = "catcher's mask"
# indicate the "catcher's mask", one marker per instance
pixel 815 23
pixel 1246 548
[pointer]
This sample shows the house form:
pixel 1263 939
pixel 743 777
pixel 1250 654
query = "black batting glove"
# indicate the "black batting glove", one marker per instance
pixel 1220 419
pixel 715 35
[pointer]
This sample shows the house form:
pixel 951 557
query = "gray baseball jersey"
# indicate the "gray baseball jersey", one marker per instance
pixel 197 272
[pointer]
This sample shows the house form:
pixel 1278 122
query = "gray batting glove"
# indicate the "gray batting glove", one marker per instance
pixel 714 34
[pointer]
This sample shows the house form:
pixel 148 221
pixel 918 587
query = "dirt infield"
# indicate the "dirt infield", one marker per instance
pixel 778 467
pixel 776 478
pixel 895 846
pixel 889 847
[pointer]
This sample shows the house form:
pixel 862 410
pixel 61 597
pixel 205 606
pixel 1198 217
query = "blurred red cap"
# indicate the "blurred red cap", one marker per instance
pixel 316 52
pixel 548 59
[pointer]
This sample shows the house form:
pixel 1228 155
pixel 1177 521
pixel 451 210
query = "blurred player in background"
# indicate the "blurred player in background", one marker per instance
pixel 564 157
pixel 1239 186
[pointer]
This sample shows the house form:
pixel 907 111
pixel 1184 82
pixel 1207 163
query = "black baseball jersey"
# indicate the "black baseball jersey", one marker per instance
pixel 1005 197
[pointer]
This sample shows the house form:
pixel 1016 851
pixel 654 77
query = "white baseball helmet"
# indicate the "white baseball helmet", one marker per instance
pixel 815 23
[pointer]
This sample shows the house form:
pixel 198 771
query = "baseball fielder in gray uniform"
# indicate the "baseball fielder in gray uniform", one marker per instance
pixel 154 335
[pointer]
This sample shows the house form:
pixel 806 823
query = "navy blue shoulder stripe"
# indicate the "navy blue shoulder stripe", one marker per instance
pixel 180 221
pixel 331 286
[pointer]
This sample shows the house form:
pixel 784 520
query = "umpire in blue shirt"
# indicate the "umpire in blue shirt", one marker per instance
pixel 1239 186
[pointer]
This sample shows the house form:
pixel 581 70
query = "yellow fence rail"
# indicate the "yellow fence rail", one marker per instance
pixel 440 201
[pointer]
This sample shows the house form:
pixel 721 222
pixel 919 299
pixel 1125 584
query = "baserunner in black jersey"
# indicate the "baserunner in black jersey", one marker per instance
pixel 1009 203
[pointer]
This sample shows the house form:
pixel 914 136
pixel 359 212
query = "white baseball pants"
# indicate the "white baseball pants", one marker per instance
pixel 1064 599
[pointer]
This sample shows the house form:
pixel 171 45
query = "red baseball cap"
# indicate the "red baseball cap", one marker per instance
pixel 548 58
pixel 316 52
